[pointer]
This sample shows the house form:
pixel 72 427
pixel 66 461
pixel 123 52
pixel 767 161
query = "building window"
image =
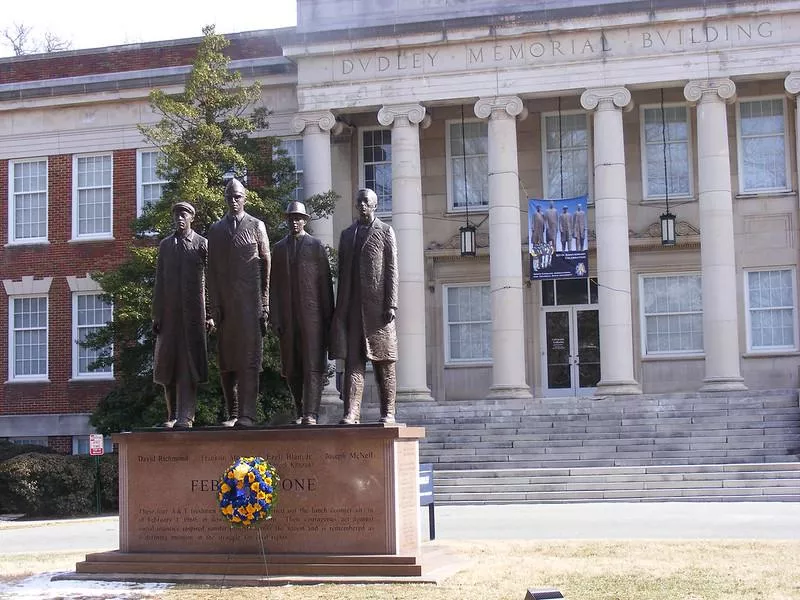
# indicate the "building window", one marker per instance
pixel 28 338
pixel 89 314
pixel 27 201
pixel 150 185
pixel 294 151
pixel 467 165
pixel 376 160
pixel 763 160
pixel 675 129
pixel 566 155
pixel 92 197
pixel 30 441
pixel 468 321
pixel 771 320
pixel 672 314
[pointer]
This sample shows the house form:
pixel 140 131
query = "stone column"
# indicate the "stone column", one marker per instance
pixel 611 229
pixel 717 253
pixel 405 119
pixel 505 254
pixel 792 86
pixel 316 128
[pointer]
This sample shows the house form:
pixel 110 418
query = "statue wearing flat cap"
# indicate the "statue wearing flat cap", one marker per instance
pixel 301 307
pixel 238 285
pixel 179 317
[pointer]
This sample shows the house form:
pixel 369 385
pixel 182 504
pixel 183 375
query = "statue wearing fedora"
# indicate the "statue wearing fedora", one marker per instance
pixel 301 307
pixel 180 362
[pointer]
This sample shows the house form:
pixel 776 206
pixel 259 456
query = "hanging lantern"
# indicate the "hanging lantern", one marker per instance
pixel 468 239
pixel 667 229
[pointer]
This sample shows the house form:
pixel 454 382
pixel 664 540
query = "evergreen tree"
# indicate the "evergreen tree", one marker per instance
pixel 215 127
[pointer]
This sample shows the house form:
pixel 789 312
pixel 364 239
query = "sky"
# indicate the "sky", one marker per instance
pixel 95 23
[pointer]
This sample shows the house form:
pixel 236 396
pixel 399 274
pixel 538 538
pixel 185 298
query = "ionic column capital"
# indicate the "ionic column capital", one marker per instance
pixel 792 83
pixel 403 114
pixel 324 120
pixel 501 107
pixel 606 98
pixel 710 90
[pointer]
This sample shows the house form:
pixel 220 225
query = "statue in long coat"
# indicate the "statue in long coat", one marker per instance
pixel 180 361
pixel 301 308
pixel 366 302
pixel 238 285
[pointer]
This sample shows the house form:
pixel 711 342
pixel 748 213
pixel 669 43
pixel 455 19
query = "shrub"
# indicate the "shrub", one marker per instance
pixel 109 482
pixel 40 485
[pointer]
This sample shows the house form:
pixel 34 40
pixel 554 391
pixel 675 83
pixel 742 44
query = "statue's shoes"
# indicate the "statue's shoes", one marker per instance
pixel 168 424
pixel 309 420
pixel 229 422
pixel 298 421
pixel 387 419
pixel 350 420
pixel 182 425
pixel 244 422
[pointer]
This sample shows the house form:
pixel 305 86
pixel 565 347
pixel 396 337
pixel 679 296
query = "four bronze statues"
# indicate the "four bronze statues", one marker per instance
pixel 292 290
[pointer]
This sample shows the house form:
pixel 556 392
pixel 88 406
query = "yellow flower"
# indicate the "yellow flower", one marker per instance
pixel 227 510
pixel 241 470
pixel 250 477
pixel 246 523
pixel 269 498
pixel 268 480
pixel 224 489
pixel 255 486
pixel 229 474
pixel 261 495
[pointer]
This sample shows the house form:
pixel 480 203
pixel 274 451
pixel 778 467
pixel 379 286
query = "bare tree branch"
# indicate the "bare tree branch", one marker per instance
pixel 21 40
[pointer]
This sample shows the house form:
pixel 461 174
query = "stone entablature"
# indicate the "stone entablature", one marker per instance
pixel 541 59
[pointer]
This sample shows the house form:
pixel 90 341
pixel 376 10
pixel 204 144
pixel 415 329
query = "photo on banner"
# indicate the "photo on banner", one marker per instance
pixel 557 244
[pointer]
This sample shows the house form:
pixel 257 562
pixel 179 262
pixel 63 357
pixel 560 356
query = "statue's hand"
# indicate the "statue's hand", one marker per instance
pixel 389 315
pixel 156 327
pixel 211 327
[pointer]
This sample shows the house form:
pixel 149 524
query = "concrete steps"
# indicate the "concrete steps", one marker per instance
pixel 719 483
pixel 683 447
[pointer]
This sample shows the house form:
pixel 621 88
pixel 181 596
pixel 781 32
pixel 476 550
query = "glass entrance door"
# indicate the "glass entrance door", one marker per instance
pixel 571 350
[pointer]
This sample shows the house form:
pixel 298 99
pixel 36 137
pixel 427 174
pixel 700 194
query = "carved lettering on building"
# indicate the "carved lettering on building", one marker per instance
pixel 544 49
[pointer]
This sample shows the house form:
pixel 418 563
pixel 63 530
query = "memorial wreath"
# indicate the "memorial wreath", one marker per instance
pixel 247 491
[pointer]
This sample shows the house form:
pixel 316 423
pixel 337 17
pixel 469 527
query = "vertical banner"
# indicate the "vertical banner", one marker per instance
pixel 557 242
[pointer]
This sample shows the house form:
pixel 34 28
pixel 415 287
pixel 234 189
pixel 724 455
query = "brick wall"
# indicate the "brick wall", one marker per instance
pixel 59 259
pixel 60 443
pixel 129 58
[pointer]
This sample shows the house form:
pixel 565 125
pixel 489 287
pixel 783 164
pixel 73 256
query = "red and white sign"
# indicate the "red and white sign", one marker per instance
pixel 96 444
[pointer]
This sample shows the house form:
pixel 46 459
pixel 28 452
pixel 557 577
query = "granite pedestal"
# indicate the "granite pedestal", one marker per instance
pixel 347 506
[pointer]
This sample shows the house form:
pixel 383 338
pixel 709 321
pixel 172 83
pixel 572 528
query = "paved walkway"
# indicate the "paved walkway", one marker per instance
pixel 673 520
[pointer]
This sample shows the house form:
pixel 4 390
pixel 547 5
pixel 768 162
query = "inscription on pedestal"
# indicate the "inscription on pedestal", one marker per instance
pixel 333 497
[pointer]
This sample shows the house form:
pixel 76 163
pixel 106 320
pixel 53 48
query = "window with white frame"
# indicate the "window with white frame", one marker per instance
pixel 763 160
pixel 672 314
pixel 150 185
pixel 92 196
pixel 666 152
pixel 467 165
pixel 89 313
pixel 294 151
pixel 771 310
pixel 28 338
pixel 376 161
pixel 468 320
pixel 27 192
pixel 29 441
pixel 566 154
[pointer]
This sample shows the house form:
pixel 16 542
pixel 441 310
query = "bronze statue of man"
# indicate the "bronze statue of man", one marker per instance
pixel 366 302
pixel 238 285
pixel 301 308
pixel 180 362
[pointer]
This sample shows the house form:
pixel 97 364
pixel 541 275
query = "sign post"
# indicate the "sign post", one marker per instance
pixel 96 449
